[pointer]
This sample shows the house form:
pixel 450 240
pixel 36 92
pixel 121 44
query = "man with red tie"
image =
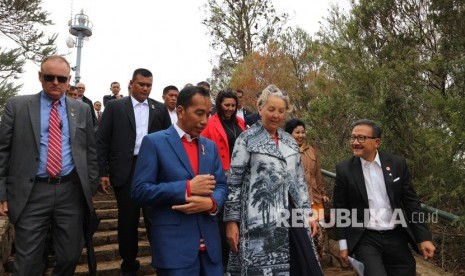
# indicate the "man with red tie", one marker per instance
pixel 180 175
pixel 48 171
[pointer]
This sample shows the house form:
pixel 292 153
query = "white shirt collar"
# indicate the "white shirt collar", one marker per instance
pixel 182 133
pixel 136 102
pixel 376 160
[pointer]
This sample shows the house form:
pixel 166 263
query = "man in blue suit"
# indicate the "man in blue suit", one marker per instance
pixel 180 175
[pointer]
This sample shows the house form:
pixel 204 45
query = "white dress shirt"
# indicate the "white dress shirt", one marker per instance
pixel 141 115
pixel 173 116
pixel 378 200
pixel 240 113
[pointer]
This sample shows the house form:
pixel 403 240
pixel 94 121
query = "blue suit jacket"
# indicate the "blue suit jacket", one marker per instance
pixel 160 177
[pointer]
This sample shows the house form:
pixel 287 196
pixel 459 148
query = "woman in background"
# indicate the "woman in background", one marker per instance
pixel 311 163
pixel 223 128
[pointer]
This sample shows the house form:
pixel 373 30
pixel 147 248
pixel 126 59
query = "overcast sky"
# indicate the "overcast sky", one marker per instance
pixel 165 37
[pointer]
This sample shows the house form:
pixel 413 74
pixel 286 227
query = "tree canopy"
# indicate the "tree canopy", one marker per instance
pixel 237 28
pixel 19 29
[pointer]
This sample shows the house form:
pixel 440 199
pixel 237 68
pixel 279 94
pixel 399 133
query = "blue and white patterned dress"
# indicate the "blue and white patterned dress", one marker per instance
pixel 262 178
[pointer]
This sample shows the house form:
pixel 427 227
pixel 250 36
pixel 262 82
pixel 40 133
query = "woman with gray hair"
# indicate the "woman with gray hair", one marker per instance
pixel 267 192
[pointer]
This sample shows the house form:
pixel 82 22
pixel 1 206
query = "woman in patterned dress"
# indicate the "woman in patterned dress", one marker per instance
pixel 268 203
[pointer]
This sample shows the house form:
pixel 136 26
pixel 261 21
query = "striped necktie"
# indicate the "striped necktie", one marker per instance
pixel 54 142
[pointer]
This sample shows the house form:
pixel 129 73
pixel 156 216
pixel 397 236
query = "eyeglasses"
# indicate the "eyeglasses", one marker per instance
pixel 51 78
pixel 360 138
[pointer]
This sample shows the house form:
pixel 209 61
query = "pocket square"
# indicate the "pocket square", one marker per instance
pixel 397 179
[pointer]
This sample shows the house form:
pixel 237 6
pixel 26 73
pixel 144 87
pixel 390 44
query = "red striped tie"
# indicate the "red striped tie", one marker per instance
pixel 54 142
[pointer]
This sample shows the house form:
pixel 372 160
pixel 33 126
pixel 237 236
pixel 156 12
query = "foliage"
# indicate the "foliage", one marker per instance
pixel 237 28
pixel 290 63
pixel 261 68
pixel 401 64
pixel 19 21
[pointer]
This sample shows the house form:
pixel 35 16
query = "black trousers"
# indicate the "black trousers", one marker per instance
pixel 385 253
pixel 128 224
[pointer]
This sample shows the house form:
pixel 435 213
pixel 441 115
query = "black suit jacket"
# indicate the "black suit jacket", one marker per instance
pixel 350 193
pixel 117 137
pixel 252 119
pixel 246 112
pixel 91 105
pixel 108 98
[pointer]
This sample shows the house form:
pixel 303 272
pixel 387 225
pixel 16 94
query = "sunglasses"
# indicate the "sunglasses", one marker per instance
pixel 51 78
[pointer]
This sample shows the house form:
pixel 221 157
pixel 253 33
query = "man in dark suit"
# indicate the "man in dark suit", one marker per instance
pixel 81 88
pixel 241 111
pixel 122 126
pixel 115 88
pixel 180 175
pixel 48 171
pixel 376 188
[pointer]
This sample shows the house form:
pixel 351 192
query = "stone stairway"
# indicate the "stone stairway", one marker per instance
pixel 106 242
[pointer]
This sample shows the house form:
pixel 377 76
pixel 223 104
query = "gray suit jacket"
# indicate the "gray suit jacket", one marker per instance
pixel 19 150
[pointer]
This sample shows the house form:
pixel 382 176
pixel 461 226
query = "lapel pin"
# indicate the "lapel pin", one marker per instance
pixel 203 149
pixel 153 106
pixel 72 114
pixel 388 168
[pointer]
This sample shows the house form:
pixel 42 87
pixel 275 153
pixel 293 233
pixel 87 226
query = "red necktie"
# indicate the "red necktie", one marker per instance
pixel 98 116
pixel 54 142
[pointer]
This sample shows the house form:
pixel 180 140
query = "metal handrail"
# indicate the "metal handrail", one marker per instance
pixel 424 207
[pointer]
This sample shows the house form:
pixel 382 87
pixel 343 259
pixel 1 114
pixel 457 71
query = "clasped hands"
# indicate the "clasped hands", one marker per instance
pixel 201 187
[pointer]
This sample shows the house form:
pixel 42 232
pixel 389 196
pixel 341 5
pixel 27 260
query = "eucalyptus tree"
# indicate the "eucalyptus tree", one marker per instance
pixel 22 40
pixel 237 28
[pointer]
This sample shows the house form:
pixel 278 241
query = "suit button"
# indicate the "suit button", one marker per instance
pixel 31 180
pixel 37 158
pixel 222 156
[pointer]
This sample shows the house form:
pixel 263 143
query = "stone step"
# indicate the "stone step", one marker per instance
pixel 105 204
pixel 107 213
pixel 6 241
pixel 112 224
pixel 335 271
pixel 101 196
pixel 111 268
pixel 109 252
pixel 111 236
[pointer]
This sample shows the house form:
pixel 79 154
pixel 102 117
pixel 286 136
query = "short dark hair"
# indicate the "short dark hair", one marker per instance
pixel 168 88
pixel 224 94
pixel 292 124
pixel 186 94
pixel 240 91
pixel 203 83
pixel 377 131
pixel 143 72
pixel 115 82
